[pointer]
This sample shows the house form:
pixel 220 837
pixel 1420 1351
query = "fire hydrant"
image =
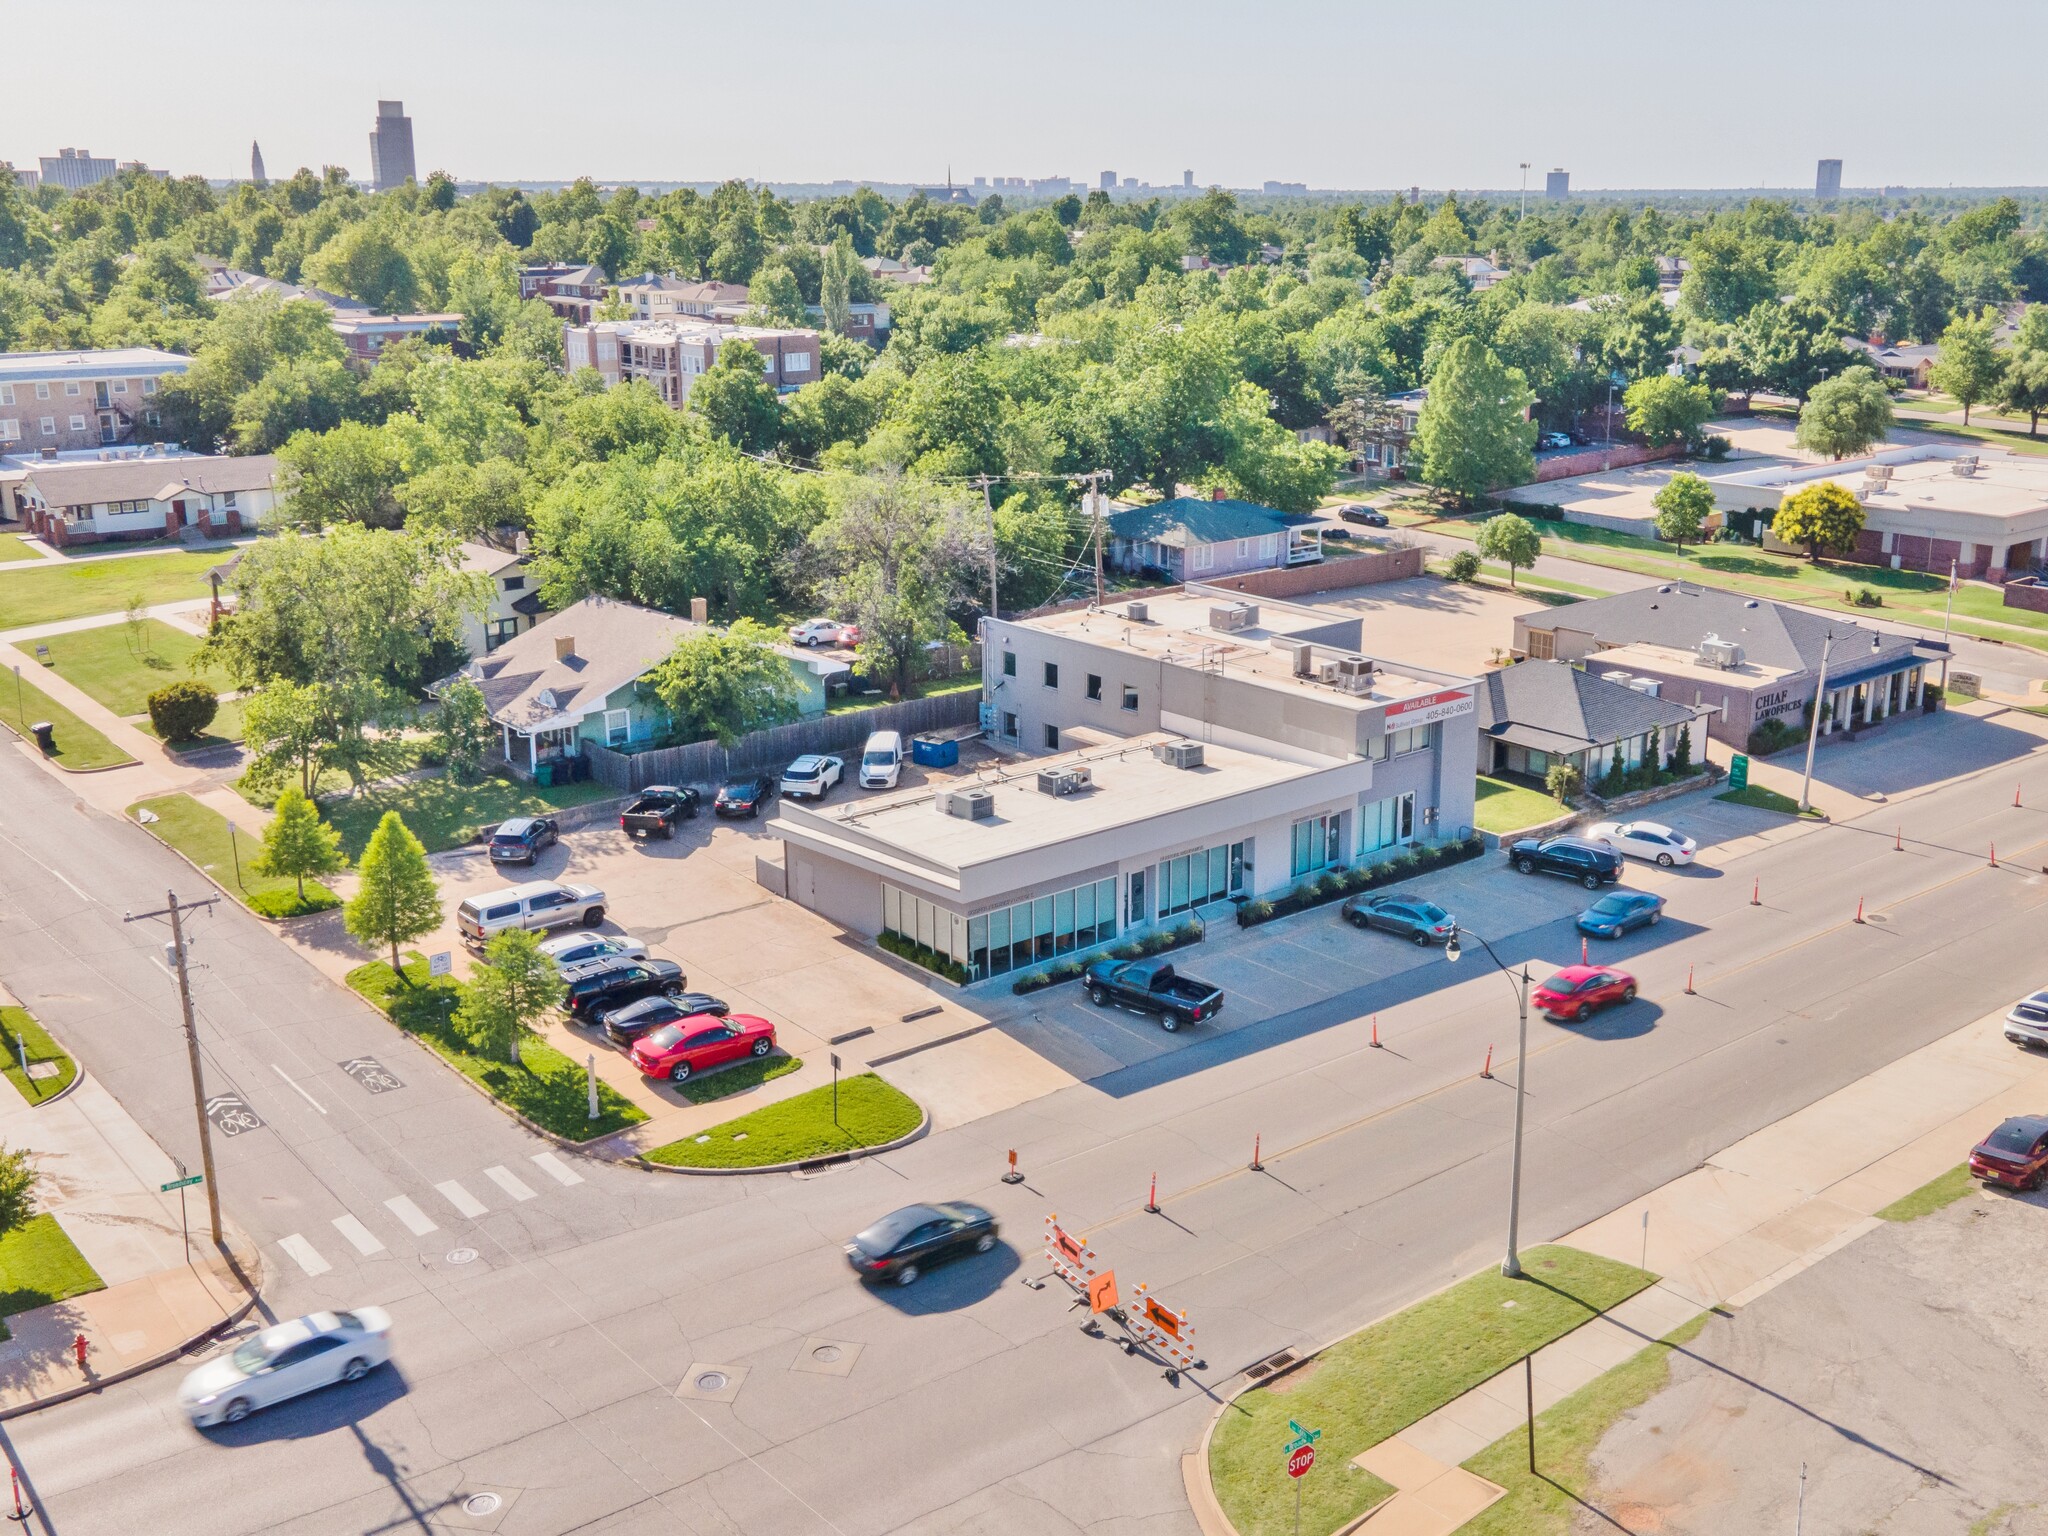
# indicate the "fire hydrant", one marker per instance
pixel 78 1348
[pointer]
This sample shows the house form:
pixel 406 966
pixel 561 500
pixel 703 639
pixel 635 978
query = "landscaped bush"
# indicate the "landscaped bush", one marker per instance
pixel 181 710
pixel 1464 565
pixel 1865 597
pixel 924 955
pixel 1771 736
pixel 1157 942
pixel 1334 884
pixel 1715 447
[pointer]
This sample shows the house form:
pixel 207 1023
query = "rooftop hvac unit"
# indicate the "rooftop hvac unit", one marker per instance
pixel 1716 652
pixel 1064 781
pixel 1615 677
pixel 1139 613
pixel 1179 754
pixel 1964 466
pixel 1876 479
pixel 1349 674
pixel 1300 654
pixel 1649 685
pixel 1229 618
pixel 968 804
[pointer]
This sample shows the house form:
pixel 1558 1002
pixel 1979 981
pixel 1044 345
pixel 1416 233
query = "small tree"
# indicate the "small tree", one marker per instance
pixel 1652 757
pixel 2024 384
pixel 18 1179
pixel 513 988
pixel 1464 565
pixel 1510 539
pixel 1668 410
pixel 285 729
pixel 1823 515
pixel 1681 754
pixel 1969 365
pixel 1845 415
pixel 181 710
pixel 297 843
pixel 1683 506
pixel 735 399
pixel 1562 781
pixel 398 899
pixel 462 729
pixel 725 685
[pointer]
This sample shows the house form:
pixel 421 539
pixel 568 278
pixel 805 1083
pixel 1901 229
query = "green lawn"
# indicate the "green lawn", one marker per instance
pixel 1380 1380
pixel 18 1027
pixel 870 1113
pixel 737 1078
pixel 2014 437
pixel 201 834
pixel 121 668
pixel 929 688
pixel 1508 807
pixel 226 727
pixel 79 746
pixel 444 814
pixel 1763 800
pixel 546 1087
pixel 392 755
pixel 75 589
pixel 1930 1197
pixel 13 547
pixel 39 1264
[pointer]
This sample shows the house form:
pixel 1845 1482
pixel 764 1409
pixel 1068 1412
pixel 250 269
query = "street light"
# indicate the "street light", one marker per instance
pixel 1511 1266
pixel 1820 702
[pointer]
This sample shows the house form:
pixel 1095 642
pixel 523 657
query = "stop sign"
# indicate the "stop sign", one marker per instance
pixel 1300 1460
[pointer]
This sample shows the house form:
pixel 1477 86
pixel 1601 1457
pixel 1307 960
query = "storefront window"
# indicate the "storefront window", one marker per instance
pixel 1314 844
pixel 1015 938
pixel 1384 824
pixel 1196 878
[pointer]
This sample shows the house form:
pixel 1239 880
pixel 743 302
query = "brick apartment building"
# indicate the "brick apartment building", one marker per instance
pixel 652 296
pixel 572 292
pixel 672 354
pixel 69 400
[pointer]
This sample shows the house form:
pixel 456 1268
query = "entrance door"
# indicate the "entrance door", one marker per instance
pixel 1137 912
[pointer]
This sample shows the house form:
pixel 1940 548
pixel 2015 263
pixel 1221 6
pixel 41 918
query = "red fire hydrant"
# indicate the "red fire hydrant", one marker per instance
pixel 78 1348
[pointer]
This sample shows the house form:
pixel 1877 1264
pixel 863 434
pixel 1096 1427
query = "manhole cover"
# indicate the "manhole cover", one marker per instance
pixel 465 1256
pixel 825 1354
pixel 711 1381
pixel 481 1504
pixel 1877 917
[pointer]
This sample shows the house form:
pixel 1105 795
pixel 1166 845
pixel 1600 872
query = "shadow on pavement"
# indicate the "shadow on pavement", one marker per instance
pixel 1618 1021
pixel 1906 754
pixel 951 1287
pixel 322 1412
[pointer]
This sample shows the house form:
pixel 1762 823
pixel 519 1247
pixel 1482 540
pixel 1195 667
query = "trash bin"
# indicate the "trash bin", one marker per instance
pixel 46 737
pixel 931 752
pixel 544 775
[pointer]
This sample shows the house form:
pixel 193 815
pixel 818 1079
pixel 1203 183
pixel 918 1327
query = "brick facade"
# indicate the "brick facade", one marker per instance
pixel 1330 575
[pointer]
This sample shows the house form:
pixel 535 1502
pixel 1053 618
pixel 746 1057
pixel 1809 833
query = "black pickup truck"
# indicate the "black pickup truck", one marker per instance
pixel 657 811
pixel 1150 986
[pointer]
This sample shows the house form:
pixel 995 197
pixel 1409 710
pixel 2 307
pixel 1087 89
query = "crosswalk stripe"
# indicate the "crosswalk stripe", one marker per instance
pixel 307 1256
pixel 417 1222
pixel 461 1198
pixel 556 1169
pixel 509 1182
pixel 365 1240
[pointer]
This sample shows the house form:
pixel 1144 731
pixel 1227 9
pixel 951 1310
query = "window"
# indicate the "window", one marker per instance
pixel 514 583
pixel 1052 738
pixel 149 386
pixel 154 418
pixel 767 362
pixel 6 394
pixel 1052 674
pixel 796 362
pixel 1315 844
pixel 1009 663
pixel 1094 688
pixel 1196 878
pixel 227 499
pixel 10 430
pixel 71 386
pixel 1204 557
pixel 78 423
pixel 1130 697
pixel 1399 743
pixel 618 725
pixel 1009 725
pixel 49 426
pixel 1269 546
pixel 42 391
pixel 1386 823
pixel 120 386
pixel 1244 549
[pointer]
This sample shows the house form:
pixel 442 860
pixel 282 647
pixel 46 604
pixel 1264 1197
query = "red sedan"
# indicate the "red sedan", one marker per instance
pixel 1574 992
pixel 2015 1155
pixel 681 1050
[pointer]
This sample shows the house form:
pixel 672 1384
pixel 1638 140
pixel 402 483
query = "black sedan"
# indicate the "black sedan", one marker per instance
pixel 520 840
pixel 622 1026
pixel 1422 922
pixel 1372 517
pixel 743 797
pixel 904 1244
pixel 1619 911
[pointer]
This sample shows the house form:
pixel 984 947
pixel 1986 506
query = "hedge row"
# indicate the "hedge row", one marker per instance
pixel 1336 884
pixel 1157 942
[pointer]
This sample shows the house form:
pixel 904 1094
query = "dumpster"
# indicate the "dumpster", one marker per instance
pixel 544 775
pixel 931 752
pixel 46 737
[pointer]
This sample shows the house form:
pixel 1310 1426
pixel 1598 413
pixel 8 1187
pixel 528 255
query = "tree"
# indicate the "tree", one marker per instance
pixel 463 732
pixel 1668 410
pixel 1823 515
pixel 1473 432
pixel 349 474
pixel 775 294
pixel 1562 780
pixel 1681 753
pixel 835 284
pixel 725 684
pixel 18 1179
pixel 735 400
pixel 1464 565
pixel 2024 385
pixel 515 985
pixel 1683 505
pixel 180 711
pixel 1510 539
pixel 397 899
pixel 297 843
pixel 1969 364
pixel 284 730
pixel 1845 415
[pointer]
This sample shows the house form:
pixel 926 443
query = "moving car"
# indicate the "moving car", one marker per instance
pixel 635 1020
pixel 2015 1155
pixel 1619 911
pixel 881 760
pixel 1643 840
pixel 657 811
pixel 520 840
pixel 2027 1024
pixel 824 632
pixel 1372 517
pixel 284 1361
pixel 743 797
pixel 538 904
pixel 572 949
pixel 597 985
pixel 1411 917
pixel 1574 992
pixel 811 775
pixel 904 1244
pixel 681 1050
pixel 1150 986
pixel 1588 863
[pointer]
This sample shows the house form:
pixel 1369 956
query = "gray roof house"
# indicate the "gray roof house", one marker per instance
pixel 1194 540
pixel 1538 713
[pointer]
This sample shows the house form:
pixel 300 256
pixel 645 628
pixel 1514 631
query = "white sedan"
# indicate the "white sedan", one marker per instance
pixel 574 948
pixel 287 1360
pixel 1643 840
pixel 823 632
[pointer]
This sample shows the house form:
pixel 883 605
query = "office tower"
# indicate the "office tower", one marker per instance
pixel 256 164
pixel 1827 182
pixel 391 162
pixel 1108 182
pixel 75 169
pixel 1558 183
pixel 1187 180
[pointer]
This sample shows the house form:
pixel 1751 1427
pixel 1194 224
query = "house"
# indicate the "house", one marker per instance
pixel 1909 364
pixel 515 603
pixel 572 292
pixel 1390 435
pixel 671 355
pixel 864 321
pixel 1539 713
pixel 578 676
pixel 16 467
pixel 1190 539
pixel 890 270
pixel 215 496
pixel 1478 270
pixel 362 331
pixel 98 399
pixel 651 296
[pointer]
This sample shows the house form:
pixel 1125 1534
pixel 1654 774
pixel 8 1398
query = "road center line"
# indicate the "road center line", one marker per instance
pixel 297 1089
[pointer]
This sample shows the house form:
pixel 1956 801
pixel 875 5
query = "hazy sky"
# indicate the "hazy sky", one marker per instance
pixel 1625 93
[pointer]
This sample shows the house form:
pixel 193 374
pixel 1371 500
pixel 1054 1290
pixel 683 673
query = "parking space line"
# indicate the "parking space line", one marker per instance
pixel 417 1222
pixel 365 1240
pixel 305 1254
pixel 556 1169
pixel 509 1182
pixel 461 1198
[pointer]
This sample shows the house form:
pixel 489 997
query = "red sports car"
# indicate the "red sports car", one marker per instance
pixel 2015 1155
pixel 681 1050
pixel 1574 992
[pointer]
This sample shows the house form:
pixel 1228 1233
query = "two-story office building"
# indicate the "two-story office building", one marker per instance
pixel 68 400
pixel 1175 752
pixel 671 355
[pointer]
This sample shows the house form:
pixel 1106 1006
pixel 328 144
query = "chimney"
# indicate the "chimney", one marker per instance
pixel 700 611
pixel 565 647
pixel 1217 494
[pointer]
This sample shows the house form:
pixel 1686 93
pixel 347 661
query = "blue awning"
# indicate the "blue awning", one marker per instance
pixel 1884 666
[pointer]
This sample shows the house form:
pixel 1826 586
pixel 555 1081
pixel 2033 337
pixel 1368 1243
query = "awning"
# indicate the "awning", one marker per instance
pixel 1884 666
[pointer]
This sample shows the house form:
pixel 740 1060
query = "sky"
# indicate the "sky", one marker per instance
pixel 1358 95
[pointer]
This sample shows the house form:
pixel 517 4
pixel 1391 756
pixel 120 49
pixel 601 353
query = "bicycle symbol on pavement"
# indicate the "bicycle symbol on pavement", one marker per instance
pixel 372 1074
pixel 231 1115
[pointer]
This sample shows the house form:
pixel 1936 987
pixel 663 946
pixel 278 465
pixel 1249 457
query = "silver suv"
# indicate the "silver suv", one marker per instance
pixel 540 904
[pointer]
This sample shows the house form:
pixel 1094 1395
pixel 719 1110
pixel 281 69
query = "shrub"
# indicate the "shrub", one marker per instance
pixel 1681 754
pixel 1067 970
pixel 1562 781
pixel 1255 912
pixel 1771 736
pixel 919 954
pixel 1127 952
pixel 1867 597
pixel 1715 447
pixel 1187 933
pixel 181 710
pixel 1031 983
pixel 1464 565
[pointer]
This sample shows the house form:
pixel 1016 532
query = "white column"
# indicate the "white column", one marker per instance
pixel 1919 687
pixel 1884 697
pixel 505 732
pixel 533 752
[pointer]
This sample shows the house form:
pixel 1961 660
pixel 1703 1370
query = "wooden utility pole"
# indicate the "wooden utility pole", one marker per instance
pixel 989 506
pixel 175 913
pixel 1095 509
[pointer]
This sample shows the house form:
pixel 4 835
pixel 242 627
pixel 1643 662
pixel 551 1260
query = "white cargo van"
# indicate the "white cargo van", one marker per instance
pixel 881 760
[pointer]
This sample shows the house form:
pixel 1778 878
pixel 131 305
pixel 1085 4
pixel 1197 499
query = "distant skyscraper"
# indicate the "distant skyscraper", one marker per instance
pixel 1109 181
pixel 256 164
pixel 75 169
pixel 1827 183
pixel 391 163
pixel 1558 183
pixel 1187 179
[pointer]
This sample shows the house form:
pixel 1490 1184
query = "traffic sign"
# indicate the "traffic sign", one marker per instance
pixel 440 962
pixel 186 1182
pixel 1300 1459
pixel 1302 1436
pixel 1738 771
pixel 1102 1295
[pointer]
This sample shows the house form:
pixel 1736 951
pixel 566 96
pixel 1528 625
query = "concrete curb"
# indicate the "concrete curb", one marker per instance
pixel 36 755
pixel 807 1165
pixel 77 1067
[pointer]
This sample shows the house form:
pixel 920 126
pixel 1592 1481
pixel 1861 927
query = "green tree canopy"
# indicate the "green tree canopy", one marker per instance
pixel 1474 434
pixel 1824 515
pixel 735 401
pixel 397 899
pixel 508 993
pixel 297 843
pixel 1510 539
pixel 722 685
pixel 2024 384
pixel 1845 415
pixel 1684 502
pixel 1668 410
pixel 1969 365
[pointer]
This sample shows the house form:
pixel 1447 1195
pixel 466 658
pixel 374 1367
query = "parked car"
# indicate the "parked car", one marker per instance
pixel 2015 1155
pixel 598 985
pixel 824 632
pixel 538 904
pixel 1643 840
pixel 520 840
pixel 573 949
pixel 657 811
pixel 1423 922
pixel 2027 1023
pixel 881 760
pixel 284 1361
pixel 810 776
pixel 681 1050
pixel 1550 440
pixel 1372 517
pixel 904 1244
pixel 1151 986
pixel 1588 863
pixel 1574 992
pixel 1619 911
pixel 643 1016
pixel 743 797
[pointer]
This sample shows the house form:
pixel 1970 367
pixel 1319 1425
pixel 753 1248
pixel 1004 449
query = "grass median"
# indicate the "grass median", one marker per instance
pixel 80 747
pixel 870 1113
pixel 228 858
pixel 1932 1196
pixel 1377 1382
pixel 39 1264
pixel 546 1087
pixel 737 1078
pixel 57 590
pixel 1762 799
pixel 21 1035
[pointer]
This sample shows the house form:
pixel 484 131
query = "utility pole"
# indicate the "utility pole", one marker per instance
pixel 176 914
pixel 1947 613
pixel 1095 507
pixel 988 505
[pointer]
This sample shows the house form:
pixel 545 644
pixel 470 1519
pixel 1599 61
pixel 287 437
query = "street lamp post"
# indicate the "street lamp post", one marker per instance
pixel 1511 1265
pixel 1820 703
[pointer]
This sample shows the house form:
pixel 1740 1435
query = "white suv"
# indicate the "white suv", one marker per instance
pixel 538 904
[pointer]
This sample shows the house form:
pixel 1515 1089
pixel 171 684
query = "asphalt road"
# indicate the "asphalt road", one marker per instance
pixel 545 1370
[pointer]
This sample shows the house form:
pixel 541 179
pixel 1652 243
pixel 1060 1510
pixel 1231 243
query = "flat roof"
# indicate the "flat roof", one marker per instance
pixel 1672 662
pixel 109 362
pixel 1923 479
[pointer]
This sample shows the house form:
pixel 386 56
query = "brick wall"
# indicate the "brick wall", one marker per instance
pixel 1332 574
pixel 2027 592
pixel 1620 456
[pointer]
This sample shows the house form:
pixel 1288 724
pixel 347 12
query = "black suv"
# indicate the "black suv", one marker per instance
pixel 1588 863
pixel 520 840
pixel 600 984
pixel 622 1026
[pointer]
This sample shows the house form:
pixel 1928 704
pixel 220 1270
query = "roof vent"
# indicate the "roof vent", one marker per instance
pixel 1065 781
pixel 967 804
pixel 1649 685
pixel 1665 590
pixel 1750 604
pixel 1179 754
pixel 1229 618
pixel 1348 674
pixel 1139 613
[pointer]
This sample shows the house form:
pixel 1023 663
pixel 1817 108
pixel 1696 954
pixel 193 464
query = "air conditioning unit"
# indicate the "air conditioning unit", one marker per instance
pixel 1064 781
pixel 1615 677
pixel 1300 654
pixel 1716 652
pixel 1964 466
pixel 1139 613
pixel 968 804
pixel 1649 685
pixel 1229 618
pixel 1179 754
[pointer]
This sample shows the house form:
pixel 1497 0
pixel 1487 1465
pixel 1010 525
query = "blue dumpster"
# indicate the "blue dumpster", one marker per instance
pixel 930 752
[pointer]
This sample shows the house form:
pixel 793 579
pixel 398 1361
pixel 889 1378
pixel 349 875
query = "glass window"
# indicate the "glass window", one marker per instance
pixel 1094 687
pixel 1130 697
pixel 1009 663
pixel 1009 725
pixel 1219 873
pixel 1314 844
pixel 1052 674
pixel 1173 884
pixel 1105 910
pixel 1138 912
pixel 1041 927
pixel 1052 738
pixel 1063 921
pixel 1084 913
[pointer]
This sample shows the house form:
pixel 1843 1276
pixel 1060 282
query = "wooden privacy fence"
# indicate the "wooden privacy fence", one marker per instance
pixel 706 762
